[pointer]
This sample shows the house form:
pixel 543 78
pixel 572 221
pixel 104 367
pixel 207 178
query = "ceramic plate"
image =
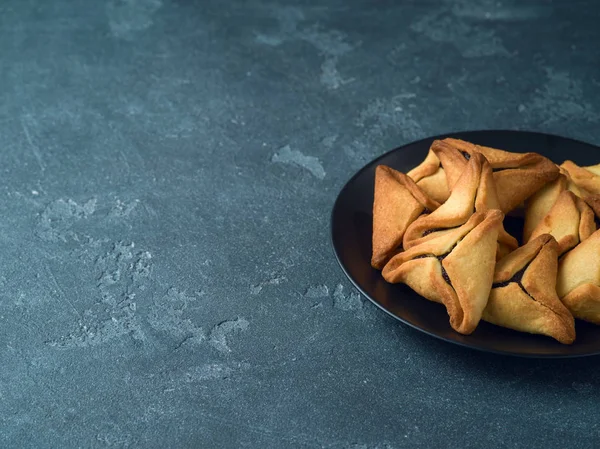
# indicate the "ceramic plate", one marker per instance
pixel 351 238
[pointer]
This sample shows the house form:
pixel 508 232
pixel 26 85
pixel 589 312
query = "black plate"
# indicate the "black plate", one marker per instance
pixel 351 238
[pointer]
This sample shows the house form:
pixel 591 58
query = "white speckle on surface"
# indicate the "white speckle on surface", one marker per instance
pixel 120 275
pixel 381 115
pixel 329 43
pixel 317 291
pixel 490 10
pixel 210 371
pixel 128 17
pixel 286 155
pixel 330 76
pixel 59 216
pixel 289 17
pixel 344 301
pixel 115 437
pixel 100 332
pixel 35 192
pixel 329 141
pixel 405 95
pixel 562 99
pixel 257 288
pixel 122 209
pixel 32 145
pixel 272 41
pixel 472 40
pixel 348 302
pixel 219 334
pixel 168 315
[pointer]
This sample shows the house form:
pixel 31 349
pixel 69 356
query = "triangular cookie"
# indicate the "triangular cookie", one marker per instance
pixel 455 268
pixel 475 191
pixel 594 202
pixel 578 284
pixel 586 178
pixel 430 176
pixel 570 221
pixel 539 204
pixel 398 202
pixel 523 295
pixel 517 175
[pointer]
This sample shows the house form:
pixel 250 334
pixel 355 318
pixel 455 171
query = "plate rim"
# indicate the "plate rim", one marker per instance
pixel 411 325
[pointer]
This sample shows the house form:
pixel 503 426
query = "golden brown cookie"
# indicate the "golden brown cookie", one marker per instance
pixel 398 202
pixel 523 295
pixel 578 284
pixel 474 191
pixel 540 203
pixel 455 268
pixel 430 176
pixel 586 178
pixel 517 175
pixel 594 202
pixel 570 221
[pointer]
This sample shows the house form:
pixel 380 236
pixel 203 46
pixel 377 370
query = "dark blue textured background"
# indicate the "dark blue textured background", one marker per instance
pixel 167 172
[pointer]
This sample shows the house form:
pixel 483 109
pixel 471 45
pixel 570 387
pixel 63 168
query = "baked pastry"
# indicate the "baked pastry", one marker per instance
pixel 439 229
pixel 398 202
pixel 540 203
pixel 570 221
pixel 430 176
pixel 517 175
pixel 594 202
pixel 578 284
pixel 586 178
pixel 523 295
pixel 474 191
pixel 455 268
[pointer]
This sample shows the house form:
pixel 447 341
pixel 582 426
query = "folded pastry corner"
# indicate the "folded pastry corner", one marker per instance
pixel 594 202
pixel 474 191
pixel 452 159
pixel 397 203
pixel 431 178
pixel 517 175
pixel 570 221
pixel 523 295
pixel 455 268
pixel 578 284
pixel 586 178
pixel 540 203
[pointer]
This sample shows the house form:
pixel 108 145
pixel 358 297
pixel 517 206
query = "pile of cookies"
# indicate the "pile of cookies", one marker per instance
pixel 439 229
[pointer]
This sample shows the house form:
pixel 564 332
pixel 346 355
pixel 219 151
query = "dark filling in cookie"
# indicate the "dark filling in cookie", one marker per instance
pixel 518 279
pixel 445 276
pixel 440 258
pixel 431 231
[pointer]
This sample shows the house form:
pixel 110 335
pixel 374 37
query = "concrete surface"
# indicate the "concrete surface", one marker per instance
pixel 167 172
